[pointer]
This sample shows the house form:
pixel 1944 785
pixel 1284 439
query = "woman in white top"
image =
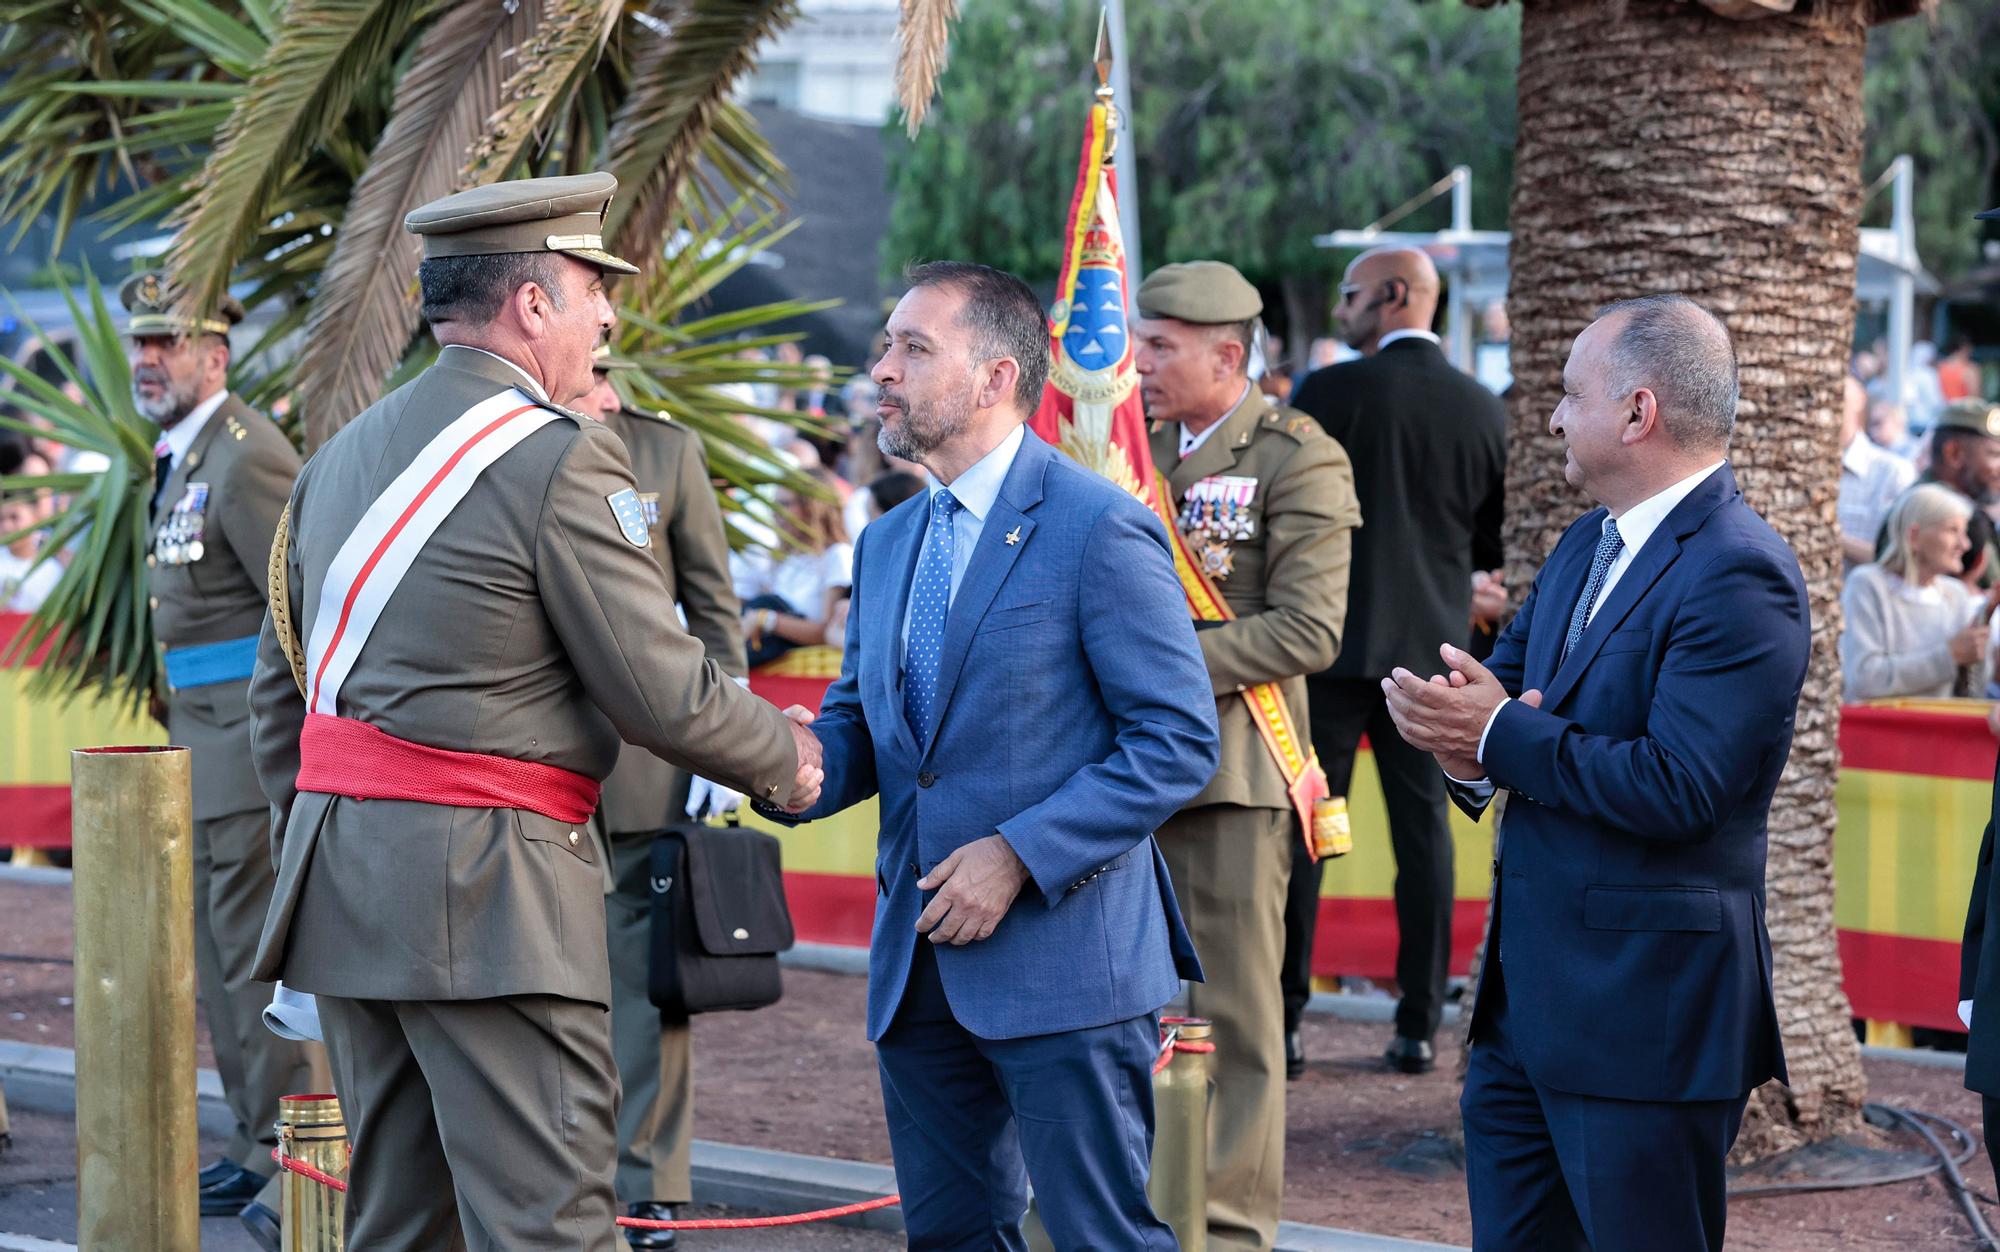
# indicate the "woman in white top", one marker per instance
pixel 793 593
pixel 1913 628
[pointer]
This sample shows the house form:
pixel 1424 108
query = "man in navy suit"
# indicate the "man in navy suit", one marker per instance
pixel 1023 689
pixel 1639 710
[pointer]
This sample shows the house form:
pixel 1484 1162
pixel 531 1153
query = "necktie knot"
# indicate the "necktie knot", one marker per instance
pixel 943 503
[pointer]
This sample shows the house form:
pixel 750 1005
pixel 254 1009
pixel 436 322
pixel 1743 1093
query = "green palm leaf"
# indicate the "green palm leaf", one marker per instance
pixel 677 94
pixel 94 632
pixel 298 98
pixel 365 312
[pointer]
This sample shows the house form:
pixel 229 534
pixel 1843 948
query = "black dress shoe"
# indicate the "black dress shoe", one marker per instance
pixel 215 1171
pixel 227 1198
pixel 1295 1054
pixel 263 1226
pixel 1411 1056
pixel 650 1211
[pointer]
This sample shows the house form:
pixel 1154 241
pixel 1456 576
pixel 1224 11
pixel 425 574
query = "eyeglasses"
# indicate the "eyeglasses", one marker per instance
pixel 1350 290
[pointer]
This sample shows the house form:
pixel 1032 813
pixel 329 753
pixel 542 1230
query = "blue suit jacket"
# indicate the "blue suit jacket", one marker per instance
pixel 1075 717
pixel 1631 866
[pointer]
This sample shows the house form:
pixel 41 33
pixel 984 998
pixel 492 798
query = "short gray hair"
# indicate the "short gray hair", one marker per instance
pixel 1680 352
pixel 1922 506
pixel 473 289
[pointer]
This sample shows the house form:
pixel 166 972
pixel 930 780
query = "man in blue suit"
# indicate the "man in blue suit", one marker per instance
pixel 1023 689
pixel 1639 710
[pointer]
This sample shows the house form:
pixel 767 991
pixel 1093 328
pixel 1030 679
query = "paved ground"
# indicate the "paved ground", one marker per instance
pixel 38 1199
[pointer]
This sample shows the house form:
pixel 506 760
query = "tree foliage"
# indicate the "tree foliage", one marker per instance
pixel 1259 123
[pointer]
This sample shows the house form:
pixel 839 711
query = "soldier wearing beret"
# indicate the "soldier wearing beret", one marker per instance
pixel 221 475
pixel 644 793
pixel 1965 456
pixel 466 620
pixel 1265 505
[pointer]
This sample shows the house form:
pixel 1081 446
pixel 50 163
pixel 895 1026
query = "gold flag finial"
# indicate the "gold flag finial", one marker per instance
pixel 1103 52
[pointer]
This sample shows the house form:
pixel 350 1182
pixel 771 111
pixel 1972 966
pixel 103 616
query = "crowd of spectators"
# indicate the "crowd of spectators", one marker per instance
pixel 1918 506
pixel 25 579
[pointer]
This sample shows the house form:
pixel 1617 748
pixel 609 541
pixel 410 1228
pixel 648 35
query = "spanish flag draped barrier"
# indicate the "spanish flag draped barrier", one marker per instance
pixel 1914 796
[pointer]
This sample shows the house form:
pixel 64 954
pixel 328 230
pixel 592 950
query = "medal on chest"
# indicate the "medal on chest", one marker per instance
pixel 178 541
pixel 1216 514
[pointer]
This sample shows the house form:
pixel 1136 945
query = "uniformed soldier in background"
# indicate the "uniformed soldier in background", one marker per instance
pixel 1265 505
pixel 221 475
pixel 469 596
pixel 644 793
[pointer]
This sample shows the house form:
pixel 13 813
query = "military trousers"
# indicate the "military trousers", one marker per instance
pixel 655 1058
pixel 233 880
pixel 488 1125
pixel 1229 866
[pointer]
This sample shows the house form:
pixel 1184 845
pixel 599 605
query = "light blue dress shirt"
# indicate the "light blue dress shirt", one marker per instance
pixel 975 490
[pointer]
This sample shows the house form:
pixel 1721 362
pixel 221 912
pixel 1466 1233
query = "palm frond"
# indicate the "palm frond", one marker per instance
pixel 547 67
pixel 365 313
pixel 94 631
pixel 680 89
pixel 923 46
pixel 298 97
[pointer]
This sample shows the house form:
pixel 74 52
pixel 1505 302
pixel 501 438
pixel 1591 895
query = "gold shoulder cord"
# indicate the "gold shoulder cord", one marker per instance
pixel 281 598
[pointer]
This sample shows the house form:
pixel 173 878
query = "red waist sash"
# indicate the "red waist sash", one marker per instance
pixel 342 757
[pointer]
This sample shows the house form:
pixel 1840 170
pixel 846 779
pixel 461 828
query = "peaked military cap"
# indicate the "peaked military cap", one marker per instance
pixel 150 301
pixel 1972 414
pixel 563 214
pixel 1203 292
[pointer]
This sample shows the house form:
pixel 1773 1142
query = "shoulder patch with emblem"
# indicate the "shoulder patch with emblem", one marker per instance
pixel 630 510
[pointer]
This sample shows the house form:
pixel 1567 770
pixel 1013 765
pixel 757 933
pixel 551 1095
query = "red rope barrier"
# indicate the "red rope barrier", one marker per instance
pixel 304 1170
pixel 1169 1046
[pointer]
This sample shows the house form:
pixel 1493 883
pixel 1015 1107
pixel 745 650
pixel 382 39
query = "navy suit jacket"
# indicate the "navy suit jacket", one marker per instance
pixel 1075 717
pixel 1630 908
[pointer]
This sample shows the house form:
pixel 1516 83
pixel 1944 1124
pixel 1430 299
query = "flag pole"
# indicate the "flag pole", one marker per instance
pixel 1112 58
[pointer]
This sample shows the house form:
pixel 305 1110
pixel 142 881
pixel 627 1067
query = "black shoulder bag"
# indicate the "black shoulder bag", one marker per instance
pixel 719 919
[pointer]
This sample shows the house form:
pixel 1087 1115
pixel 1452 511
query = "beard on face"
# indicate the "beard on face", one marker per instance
pixel 924 428
pixel 173 402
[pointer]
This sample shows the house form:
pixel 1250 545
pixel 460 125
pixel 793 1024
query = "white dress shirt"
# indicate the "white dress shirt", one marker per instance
pixel 176 441
pixel 1394 335
pixel 1635 526
pixel 1191 441
pixel 1870 480
pixel 528 384
pixel 976 490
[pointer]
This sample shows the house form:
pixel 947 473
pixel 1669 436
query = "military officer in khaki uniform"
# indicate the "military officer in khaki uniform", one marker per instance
pixel 1265 504
pixel 475 617
pixel 221 477
pixel 644 793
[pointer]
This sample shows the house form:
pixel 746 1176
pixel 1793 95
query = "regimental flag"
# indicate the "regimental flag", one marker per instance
pixel 1090 406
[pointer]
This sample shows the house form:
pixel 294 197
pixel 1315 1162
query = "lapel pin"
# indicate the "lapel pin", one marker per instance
pixel 1013 536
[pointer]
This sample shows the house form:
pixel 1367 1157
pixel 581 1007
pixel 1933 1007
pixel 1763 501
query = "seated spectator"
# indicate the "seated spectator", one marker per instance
pixel 1913 628
pixel 1870 480
pixel 24 584
pixel 792 594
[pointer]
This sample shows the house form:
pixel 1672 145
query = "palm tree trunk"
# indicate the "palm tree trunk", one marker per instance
pixel 1663 148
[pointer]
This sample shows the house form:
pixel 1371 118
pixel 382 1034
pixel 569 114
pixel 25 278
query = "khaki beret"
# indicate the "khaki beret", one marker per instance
pixel 601 359
pixel 522 215
pixel 150 301
pixel 1976 415
pixel 1203 292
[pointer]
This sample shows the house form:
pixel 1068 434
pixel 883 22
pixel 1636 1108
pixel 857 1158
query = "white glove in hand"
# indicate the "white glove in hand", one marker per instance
pixel 708 799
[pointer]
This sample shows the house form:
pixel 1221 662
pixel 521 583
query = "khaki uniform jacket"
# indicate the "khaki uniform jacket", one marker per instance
pixel 528 627
pixel 693 551
pixel 242 467
pixel 1287 583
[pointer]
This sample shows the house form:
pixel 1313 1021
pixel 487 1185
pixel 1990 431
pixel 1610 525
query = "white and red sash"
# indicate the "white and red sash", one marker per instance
pixel 372 562
pixel 341 756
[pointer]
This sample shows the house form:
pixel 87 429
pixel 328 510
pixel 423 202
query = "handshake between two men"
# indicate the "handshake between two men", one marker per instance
pixel 975 885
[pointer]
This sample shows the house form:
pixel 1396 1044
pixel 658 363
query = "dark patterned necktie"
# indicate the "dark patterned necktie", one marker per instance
pixel 930 601
pixel 1608 546
pixel 163 468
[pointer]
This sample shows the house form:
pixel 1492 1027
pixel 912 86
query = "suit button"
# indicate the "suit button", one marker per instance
pixel 572 838
pixel 151 561
pixel 153 602
pixel 926 778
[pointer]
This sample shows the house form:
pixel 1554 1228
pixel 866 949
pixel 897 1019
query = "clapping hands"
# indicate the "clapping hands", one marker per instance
pixel 1446 715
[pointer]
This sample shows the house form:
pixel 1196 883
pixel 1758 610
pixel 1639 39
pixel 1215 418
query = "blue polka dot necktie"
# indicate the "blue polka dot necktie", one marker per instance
pixel 930 601
pixel 1608 546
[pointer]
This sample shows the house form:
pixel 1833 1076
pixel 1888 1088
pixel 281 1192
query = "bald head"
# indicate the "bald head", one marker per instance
pixel 1386 289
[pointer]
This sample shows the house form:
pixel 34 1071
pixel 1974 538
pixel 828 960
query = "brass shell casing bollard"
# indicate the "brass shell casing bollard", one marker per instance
pixel 313 1129
pixel 1178 1187
pixel 132 835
